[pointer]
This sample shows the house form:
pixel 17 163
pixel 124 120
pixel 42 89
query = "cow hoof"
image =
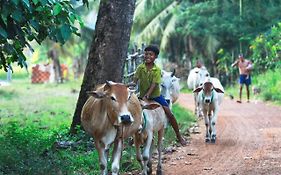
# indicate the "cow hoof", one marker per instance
pixel 207 140
pixel 158 172
pixel 149 165
pixel 213 139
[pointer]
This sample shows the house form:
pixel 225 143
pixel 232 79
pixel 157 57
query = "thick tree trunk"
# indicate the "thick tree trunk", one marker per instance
pixel 108 50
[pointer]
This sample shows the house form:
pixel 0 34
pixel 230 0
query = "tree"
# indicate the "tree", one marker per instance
pixel 23 21
pixel 108 50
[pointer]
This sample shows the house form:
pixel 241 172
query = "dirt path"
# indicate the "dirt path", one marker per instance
pixel 248 142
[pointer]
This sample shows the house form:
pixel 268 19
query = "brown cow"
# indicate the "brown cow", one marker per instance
pixel 110 115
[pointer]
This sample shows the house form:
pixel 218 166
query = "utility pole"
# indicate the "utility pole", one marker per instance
pixel 240 14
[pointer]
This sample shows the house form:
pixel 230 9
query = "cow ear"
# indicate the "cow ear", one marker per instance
pixel 173 73
pixel 219 90
pixel 198 89
pixel 151 106
pixel 107 85
pixel 96 94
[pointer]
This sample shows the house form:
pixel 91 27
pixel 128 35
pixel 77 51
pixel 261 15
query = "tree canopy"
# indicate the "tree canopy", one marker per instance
pixel 213 30
pixel 23 21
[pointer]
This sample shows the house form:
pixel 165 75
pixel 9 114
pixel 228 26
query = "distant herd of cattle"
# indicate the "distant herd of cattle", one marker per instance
pixel 113 113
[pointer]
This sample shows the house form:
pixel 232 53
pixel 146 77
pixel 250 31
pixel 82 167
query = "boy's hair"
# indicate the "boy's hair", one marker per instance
pixel 152 48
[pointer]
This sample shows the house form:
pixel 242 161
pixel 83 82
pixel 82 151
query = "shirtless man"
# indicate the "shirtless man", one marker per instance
pixel 245 67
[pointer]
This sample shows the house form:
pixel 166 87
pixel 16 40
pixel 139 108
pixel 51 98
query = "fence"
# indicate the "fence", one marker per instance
pixel 131 63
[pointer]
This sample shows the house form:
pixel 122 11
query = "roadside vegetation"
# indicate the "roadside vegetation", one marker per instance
pixel 34 130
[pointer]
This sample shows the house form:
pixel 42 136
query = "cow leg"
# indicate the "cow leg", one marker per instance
pixel 138 142
pixel 159 147
pixel 146 151
pixel 213 125
pixel 116 156
pixel 102 156
pixel 206 117
pixel 196 110
pixel 149 164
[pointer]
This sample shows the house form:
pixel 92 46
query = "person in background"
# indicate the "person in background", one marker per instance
pixel 148 75
pixel 245 67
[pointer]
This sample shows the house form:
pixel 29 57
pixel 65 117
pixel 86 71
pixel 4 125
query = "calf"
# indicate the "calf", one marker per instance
pixel 111 114
pixel 156 121
pixel 210 96
pixel 195 79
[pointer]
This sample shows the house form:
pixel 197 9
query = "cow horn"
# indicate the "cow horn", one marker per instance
pixel 173 73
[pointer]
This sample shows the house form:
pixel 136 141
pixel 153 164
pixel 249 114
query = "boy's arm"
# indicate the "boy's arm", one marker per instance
pixel 150 90
pixel 234 64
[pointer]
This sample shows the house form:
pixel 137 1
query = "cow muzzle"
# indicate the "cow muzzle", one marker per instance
pixel 126 119
pixel 207 101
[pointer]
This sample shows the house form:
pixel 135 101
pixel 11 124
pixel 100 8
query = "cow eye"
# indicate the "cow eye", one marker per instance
pixel 112 98
pixel 207 75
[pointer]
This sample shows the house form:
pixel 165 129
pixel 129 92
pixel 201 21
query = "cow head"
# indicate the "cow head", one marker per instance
pixel 170 86
pixel 208 91
pixel 201 74
pixel 149 105
pixel 116 97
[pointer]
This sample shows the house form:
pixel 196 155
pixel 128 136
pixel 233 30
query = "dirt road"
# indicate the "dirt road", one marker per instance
pixel 248 142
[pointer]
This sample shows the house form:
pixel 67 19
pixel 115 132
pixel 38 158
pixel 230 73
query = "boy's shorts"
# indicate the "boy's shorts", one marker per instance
pixel 161 100
pixel 245 79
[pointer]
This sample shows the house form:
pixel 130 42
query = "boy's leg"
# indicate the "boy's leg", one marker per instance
pixel 240 93
pixel 248 93
pixel 247 83
pixel 174 124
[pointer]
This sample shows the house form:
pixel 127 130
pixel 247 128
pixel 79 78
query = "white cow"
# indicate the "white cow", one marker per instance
pixel 170 87
pixel 155 120
pixel 195 79
pixel 210 96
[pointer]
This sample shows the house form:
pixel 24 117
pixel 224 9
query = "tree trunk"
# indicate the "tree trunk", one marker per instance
pixel 108 49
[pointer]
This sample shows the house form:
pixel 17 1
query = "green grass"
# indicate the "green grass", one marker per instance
pixel 185 119
pixel 34 117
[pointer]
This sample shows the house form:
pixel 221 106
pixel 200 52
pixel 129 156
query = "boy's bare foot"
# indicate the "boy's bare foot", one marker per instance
pixel 238 101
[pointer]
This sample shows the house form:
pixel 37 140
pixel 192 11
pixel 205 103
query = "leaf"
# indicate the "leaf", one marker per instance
pixel 65 32
pixel 3 32
pixel 16 2
pixel 35 1
pixel 35 24
pixel 27 4
pixel 57 9
pixel 17 16
pixel 72 17
pixel 43 2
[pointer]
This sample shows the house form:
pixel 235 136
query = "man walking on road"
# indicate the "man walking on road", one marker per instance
pixel 245 67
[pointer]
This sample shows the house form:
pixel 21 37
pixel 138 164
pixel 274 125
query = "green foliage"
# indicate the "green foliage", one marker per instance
pixel 24 149
pixel 267 49
pixel 23 21
pixel 202 29
pixel 269 83
pixel 185 119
